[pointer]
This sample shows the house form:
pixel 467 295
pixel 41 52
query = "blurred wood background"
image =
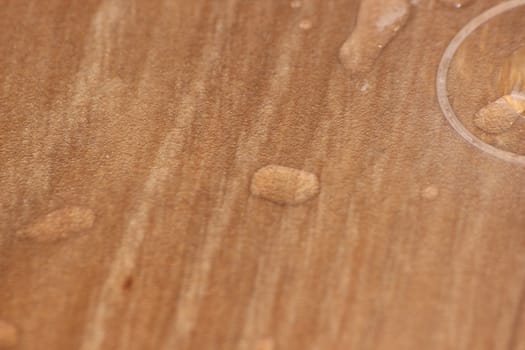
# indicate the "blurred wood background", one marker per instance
pixel 130 130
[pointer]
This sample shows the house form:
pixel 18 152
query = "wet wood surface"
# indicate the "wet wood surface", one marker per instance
pixel 131 129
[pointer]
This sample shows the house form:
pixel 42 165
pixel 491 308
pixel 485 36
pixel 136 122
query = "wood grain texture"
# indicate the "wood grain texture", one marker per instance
pixel 154 115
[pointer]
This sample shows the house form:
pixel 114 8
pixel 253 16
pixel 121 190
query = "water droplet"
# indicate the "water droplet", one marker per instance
pixel 305 24
pixel 265 344
pixel 284 185
pixel 295 4
pixel 501 114
pixel 377 24
pixel 430 193
pixel 58 224
pixel 457 3
pixel 365 87
pixel 8 335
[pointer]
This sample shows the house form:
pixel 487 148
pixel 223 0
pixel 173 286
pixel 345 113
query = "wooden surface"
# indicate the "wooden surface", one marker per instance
pixel 130 130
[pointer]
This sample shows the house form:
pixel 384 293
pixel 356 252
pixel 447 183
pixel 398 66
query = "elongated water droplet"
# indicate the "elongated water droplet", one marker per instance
pixel 501 114
pixel 377 23
pixel 58 224
pixel 284 185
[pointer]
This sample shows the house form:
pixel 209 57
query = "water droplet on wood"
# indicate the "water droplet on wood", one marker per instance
pixel 305 24
pixel 284 185
pixel 58 224
pixel 378 22
pixel 501 114
pixel 430 192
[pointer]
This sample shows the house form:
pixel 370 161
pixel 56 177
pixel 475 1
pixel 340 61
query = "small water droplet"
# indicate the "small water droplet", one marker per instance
pixel 305 24
pixel 8 335
pixel 377 23
pixel 295 4
pixel 365 87
pixel 58 224
pixel 430 193
pixel 284 185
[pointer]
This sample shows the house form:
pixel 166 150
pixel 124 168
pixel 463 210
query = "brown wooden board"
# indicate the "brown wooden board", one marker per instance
pixel 129 134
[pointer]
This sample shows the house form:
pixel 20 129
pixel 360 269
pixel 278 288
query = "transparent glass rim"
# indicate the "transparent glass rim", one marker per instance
pixel 442 76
